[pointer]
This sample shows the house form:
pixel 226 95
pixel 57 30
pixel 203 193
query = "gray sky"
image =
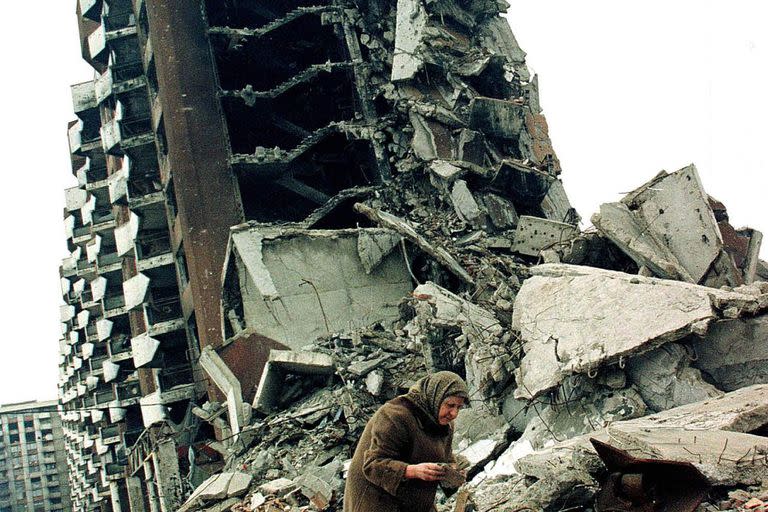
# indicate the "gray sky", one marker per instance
pixel 629 88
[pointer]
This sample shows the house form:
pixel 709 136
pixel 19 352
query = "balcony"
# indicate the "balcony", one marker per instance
pixel 119 346
pixel 142 184
pixel 176 376
pixel 152 244
pixel 104 397
pixel 102 217
pixel 110 434
pixel 95 175
pixel 110 136
pixel 90 9
pixel 119 78
pixel 97 44
pixel 96 364
pixel 163 310
pixel 128 390
pixel 119 20
pixel 83 97
pixel 113 302
pixel 85 268
pixel 91 332
pixel 109 262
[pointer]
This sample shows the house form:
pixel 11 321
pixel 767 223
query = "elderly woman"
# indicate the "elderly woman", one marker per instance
pixel 397 463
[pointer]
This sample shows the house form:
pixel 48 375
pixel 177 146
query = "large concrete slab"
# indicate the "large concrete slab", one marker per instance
pixel 535 234
pixel 666 225
pixel 576 319
pixel 665 379
pixel 409 31
pixel 735 352
pixel 694 433
pixel 293 285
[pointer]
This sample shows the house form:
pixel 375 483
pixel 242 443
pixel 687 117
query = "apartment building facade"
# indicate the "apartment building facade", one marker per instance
pixel 33 470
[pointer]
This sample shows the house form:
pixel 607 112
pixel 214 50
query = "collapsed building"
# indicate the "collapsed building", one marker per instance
pixel 287 211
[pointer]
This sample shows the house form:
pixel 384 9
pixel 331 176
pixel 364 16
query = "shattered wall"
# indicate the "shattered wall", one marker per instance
pixel 293 286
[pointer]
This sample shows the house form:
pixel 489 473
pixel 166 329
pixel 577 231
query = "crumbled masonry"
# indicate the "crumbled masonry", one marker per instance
pixel 287 212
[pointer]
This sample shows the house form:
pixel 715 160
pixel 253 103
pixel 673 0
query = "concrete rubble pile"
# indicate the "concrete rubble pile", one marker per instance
pixel 649 333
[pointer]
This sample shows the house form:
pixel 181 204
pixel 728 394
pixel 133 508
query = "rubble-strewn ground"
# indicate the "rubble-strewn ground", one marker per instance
pixel 649 333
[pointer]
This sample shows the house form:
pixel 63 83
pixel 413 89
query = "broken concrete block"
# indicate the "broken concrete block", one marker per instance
pixel 374 246
pixel 409 31
pixel 278 487
pixel 465 205
pixel 480 434
pixel 439 310
pixel 294 285
pixel 734 353
pixel 362 368
pixel 501 211
pixel 471 147
pixel 223 506
pixel 575 319
pixel 279 364
pixel 489 367
pixel 445 171
pixel 743 410
pixel 404 228
pixel 239 484
pixel 617 222
pixel 223 378
pixel 666 225
pixel 317 490
pixel 535 234
pixel 665 379
pixel 257 500
pixel 500 118
pixel 437 306
pixel 556 205
pixel 479 451
pixel 557 422
pixel 504 465
pixel 431 140
pixel 374 382
pixel 215 488
pixel 548 477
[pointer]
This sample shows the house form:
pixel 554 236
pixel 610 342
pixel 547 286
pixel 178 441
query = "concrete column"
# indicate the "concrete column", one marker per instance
pixel 167 475
pixel 135 494
pixel 154 501
pixel 114 493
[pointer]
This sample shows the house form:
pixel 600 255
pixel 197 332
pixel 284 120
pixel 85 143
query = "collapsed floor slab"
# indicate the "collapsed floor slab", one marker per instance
pixel 735 352
pixel 576 319
pixel 674 229
pixel 294 285
pixel 567 472
pixel 280 364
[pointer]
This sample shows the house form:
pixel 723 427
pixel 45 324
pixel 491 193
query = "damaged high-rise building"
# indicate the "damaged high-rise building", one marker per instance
pixel 285 211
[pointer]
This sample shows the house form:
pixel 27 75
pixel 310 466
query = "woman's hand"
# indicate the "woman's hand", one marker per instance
pixel 428 471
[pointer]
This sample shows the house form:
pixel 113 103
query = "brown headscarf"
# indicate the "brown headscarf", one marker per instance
pixel 429 392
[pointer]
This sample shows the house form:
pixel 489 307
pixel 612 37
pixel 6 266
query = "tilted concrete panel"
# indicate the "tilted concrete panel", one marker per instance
pixel 297 285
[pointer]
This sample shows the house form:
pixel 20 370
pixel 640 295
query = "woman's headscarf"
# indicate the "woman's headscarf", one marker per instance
pixel 429 392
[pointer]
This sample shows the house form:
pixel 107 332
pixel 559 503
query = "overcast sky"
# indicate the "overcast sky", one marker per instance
pixel 628 88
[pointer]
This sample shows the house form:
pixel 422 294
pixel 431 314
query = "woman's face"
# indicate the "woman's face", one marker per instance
pixel 449 409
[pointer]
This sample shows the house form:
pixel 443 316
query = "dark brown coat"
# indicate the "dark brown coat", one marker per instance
pixel 400 433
